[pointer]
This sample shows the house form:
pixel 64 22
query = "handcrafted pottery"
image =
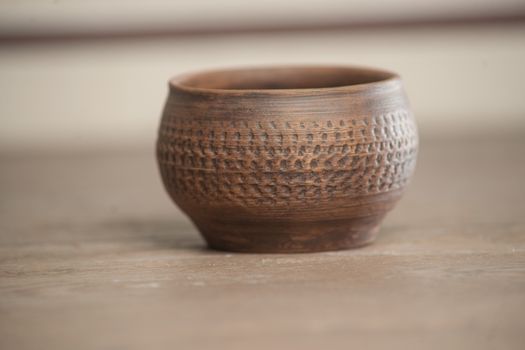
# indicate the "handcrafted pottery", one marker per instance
pixel 287 159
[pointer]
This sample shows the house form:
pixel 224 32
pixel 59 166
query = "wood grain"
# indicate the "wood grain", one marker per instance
pixel 93 255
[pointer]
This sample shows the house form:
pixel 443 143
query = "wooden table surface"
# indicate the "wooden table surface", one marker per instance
pixel 94 256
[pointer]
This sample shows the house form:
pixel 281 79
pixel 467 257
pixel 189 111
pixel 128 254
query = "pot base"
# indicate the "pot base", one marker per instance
pixel 289 237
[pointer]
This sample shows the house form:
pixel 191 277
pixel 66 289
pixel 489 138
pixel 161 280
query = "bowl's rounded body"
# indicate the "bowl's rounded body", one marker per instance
pixel 287 170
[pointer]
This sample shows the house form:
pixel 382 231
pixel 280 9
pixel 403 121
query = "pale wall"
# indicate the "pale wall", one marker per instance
pixel 87 95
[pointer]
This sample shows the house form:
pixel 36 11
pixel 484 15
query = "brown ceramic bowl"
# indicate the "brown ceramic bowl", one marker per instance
pixel 287 159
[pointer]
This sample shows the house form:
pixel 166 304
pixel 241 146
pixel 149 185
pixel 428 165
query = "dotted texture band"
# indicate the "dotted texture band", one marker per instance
pixel 276 162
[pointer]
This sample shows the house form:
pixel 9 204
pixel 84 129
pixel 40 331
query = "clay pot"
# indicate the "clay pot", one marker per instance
pixel 287 159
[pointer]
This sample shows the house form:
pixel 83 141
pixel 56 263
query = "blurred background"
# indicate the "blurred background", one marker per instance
pixel 94 255
pixel 80 75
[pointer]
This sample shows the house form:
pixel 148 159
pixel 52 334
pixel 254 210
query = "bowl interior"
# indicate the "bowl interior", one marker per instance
pixel 283 78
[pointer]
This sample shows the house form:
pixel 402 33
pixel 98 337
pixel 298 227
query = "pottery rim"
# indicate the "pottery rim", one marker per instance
pixel 375 78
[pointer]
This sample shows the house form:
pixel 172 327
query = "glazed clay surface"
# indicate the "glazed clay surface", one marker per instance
pixel 293 159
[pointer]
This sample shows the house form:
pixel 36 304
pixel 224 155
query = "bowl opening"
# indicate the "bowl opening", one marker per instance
pixel 282 78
